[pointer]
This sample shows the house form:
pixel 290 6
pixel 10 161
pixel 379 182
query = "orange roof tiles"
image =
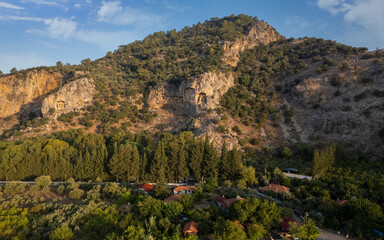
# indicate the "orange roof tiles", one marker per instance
pixel 172 198
pixel 227 203
pixel 146 187
pixel 190 226
pixel 185 188
pixel 275 188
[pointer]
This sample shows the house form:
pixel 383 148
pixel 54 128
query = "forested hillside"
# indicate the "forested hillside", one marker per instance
pixel 228 103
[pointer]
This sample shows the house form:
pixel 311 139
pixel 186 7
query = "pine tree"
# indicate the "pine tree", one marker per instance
pixel 143 167
pixel 134 166
pixel 159 163
pixel 225 166
pixel 182 169
pixel 210 159
pixel 235 157
pixel 196 159
pixel 120 162
pixel 173 161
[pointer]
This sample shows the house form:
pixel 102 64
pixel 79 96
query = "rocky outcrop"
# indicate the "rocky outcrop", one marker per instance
pixel 71 97
pixel 191 96
pixel 348 110
pixel 20 90
pixel 260 34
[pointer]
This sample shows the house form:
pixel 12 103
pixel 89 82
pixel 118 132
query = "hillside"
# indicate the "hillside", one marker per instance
pixel 235 78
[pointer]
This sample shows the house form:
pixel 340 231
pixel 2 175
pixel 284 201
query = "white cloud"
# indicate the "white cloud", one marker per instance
pixel 114 12
pixel 18 18
pixel 332 6
pixel 46 2
pixel 365 19
pixel 77 5
pixel 88 1
pixel 10 6
pixel 61 27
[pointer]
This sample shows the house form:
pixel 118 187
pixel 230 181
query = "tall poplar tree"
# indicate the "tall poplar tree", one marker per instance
pixel 235 156
pixel 159 163
pixel 134 165
pixel 181 167
pixel 119 162
pixel 196 153
pixel 225 165
pixel 210 159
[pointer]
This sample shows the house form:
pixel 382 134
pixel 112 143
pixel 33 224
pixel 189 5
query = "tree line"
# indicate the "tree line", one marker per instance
pixel 121 157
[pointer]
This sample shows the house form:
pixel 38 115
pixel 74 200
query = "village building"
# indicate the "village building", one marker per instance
pixel 225 204
pixel 172 198
pixel 184 190
pixel 276 188
pixel 190 228
pixel 145 188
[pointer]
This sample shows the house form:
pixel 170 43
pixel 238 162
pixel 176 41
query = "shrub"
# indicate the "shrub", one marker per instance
pixel 94 193
pixel 237 130
pixel 61 233
pixel 222 129
pixel 43 182
pixel 60 189
pixel 14 187
pixel 76 193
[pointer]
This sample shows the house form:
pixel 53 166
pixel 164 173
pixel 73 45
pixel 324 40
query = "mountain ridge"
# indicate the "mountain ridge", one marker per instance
pixel 272 78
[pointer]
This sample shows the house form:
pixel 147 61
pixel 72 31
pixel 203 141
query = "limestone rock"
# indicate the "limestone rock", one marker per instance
pixel 71 97
pixel 192 96
pixel 260 34
pixel 17 91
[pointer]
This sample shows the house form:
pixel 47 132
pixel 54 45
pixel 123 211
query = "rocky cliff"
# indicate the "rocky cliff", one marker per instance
pixel 260 33
pixel 191 96
pixel 337 106
pixel 17 91
pixel 71 97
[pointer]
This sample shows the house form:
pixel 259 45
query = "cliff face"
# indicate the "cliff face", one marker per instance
pixel 16 92
pixel 71 97
pixel 335 106
pixel 260 34
pixel 192 96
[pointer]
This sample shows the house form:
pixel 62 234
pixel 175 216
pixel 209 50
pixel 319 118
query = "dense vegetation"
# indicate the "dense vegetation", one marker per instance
pixel 252 98
pixel 121 156
pixel 100 210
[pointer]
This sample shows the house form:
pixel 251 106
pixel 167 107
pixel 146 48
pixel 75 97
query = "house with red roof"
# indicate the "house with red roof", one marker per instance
pixel 145 187
pixel 190 228
pixel 276 188
pixel 172 198
pixel 225 203
pixel 184 190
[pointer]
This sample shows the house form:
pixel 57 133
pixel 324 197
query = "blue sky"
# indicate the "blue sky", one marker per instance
pixel 42 32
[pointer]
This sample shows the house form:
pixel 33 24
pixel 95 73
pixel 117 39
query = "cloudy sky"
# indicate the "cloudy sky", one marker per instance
pixel 42 32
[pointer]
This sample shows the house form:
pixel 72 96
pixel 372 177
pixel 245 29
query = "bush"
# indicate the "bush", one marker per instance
pixel 237 130
pixel 43 182
pixel 61 233
pixel 222 129
pixel 76 193
pixel 14 187
pixel 94 193
pixel 60 189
